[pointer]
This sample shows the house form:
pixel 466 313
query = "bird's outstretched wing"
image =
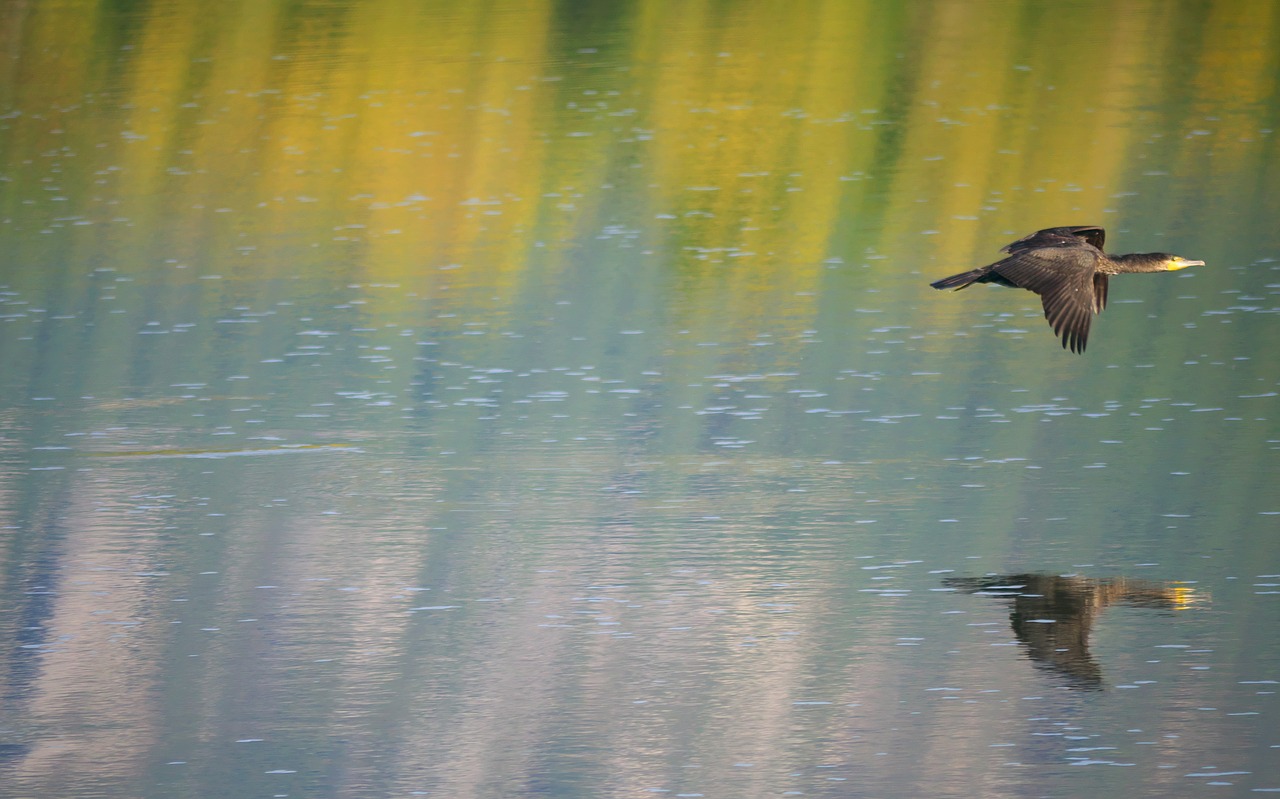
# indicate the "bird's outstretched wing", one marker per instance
pixel 1066 279
pixel 1070 236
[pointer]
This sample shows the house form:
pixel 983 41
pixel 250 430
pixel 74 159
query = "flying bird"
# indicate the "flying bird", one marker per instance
pixel 1068 269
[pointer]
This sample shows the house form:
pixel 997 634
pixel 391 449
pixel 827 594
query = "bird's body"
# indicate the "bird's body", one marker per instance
pixel 1068 269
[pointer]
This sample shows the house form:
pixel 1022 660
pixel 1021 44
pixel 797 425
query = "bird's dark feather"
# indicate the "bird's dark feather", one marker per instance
pixel 1072 235
pixel 1065 279
pixel 1069 311
pixel 1099 292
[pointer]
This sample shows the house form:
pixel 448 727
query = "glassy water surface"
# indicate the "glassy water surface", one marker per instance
pixel 522 398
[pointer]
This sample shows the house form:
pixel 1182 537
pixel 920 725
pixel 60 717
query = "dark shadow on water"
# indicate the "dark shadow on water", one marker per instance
pixel 1052 615
pixel 11 753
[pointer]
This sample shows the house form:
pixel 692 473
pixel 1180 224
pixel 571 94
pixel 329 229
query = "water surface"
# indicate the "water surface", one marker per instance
pixel 548 399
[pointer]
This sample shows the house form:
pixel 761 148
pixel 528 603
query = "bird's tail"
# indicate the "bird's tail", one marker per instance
pixel 962 280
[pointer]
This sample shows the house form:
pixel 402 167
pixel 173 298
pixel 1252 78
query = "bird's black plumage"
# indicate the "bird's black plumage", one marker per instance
pixel 1068 269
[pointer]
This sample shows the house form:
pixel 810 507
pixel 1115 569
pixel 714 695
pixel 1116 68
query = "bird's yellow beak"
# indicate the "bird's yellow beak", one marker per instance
pixel 1177 263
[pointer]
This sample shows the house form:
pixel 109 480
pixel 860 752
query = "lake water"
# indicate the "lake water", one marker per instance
pixel 548 399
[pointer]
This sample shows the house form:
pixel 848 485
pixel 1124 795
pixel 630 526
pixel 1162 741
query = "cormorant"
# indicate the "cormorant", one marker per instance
pixel 1068 269
pixel 1052 615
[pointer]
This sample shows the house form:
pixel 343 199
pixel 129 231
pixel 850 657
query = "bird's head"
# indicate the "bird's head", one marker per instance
pixel 1173 263
pixel 1153 262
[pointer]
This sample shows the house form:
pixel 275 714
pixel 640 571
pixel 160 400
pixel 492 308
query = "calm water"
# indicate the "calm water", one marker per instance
pixel 532 399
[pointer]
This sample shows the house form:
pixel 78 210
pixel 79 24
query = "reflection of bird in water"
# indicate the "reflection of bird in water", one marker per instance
pixel 1068 269
pixel 1051 615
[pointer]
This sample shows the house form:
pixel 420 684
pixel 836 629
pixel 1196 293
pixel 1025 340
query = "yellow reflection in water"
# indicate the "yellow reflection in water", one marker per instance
pixel 418 136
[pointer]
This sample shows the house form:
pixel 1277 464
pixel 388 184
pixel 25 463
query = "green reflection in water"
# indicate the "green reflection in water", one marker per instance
pixel 661 448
